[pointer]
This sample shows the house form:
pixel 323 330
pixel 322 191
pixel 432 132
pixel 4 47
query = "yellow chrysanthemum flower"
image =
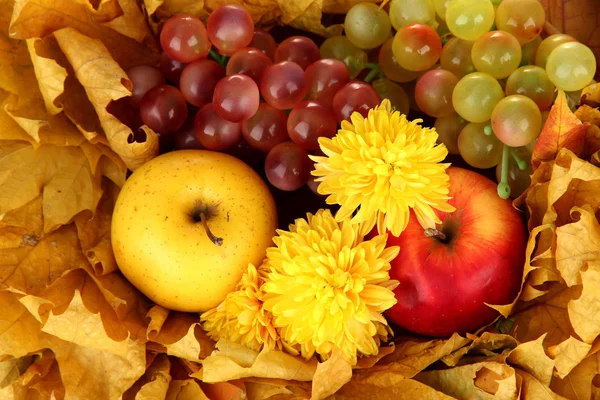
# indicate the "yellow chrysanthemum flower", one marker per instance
pixel 241 317
pixel 383 166
pixel 328 286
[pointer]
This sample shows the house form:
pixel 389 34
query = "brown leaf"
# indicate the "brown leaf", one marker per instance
pixel 590 116
pixel 487 347
pixel 330 375
pixel 260 391
pixel 531 357
pixel 590 93
pixel 181 335
pixel 104 81
pixel 233 361
pixel 185 390
pixel 154 384
pixel 485 380
pixel 562 130
pixel 132 23
pixel 532 389
pixel 581 381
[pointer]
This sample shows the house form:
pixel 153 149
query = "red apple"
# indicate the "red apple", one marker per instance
pixel 445 282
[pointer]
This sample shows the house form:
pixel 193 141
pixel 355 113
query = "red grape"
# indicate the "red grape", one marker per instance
pixel 248 61
pixel 171 68
pixel 236 98
pixel 287 166
pixel 214 132
pixel 298 49
pixel 283 85
pixel 324 78
pixel 183 38
pixel 265 42
pixel 266 128
pixel 230 28
pixel 433 92
pixel 166 142
pixel 354 97
pixel 313 185
pixel 309 121
pixel 185 138
pixel 143 78
pixel 163 109
pixel 198 81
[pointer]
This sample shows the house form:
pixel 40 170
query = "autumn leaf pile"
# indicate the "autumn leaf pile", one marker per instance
pixel 71 326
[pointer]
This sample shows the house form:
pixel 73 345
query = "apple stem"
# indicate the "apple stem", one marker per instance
pixel 436 233
pixel 503 187
pixel 216 240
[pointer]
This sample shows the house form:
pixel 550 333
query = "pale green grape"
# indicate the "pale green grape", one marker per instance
pixel 497 53
pixel 390 67
pixel 478 148
pixel 524 19
pixel 571 66
pixel 456 57
pixel 398 98
pixel 549 44
pixel 440 8
pixel 417 47
pixel 476 95
pixel 448 129
pixel 529 50
pixel 469 19
pixel 405 12
pixel 340 48
pixel 532 81
pixel 367 26
pixel 516 120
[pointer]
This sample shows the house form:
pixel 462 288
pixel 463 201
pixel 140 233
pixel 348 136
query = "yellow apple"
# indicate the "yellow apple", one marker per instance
pixel 187 223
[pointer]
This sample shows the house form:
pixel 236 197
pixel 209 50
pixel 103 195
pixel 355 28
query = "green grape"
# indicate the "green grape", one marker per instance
pixel 448 129
pixel 406 12
pixel 518 179
pixel 479 147
pixel 532 81
pixel 524 19
pixel 516 120
pixel 440 8
pixel 340 48
pixel 475 96
pixel 469 19
pixel 529 50
pixel 367 26
pixel 398 98
pixel 549 44
pixel 417 47
pixel 390 67
pixel 456 57
pixel 433 92
pixel 497 53
pixel 571 66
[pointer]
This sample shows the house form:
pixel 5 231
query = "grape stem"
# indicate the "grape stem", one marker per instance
pixel 222 60
pixel 522 164
pixel 215 239
pixel 375 71
pixel 503 187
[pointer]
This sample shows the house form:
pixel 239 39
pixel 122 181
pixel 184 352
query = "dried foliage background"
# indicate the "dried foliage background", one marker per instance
pixel 71 327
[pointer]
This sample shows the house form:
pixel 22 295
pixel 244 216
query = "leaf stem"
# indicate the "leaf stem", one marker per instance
pixel 522 164
pixel 375 70
pixel 503 187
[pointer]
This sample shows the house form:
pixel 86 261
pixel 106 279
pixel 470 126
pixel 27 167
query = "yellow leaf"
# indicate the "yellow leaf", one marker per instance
pixel 182 336
pixel 104 81
pixel 185 390
pixel 568 355
pixel 489 346
pixel 531 357
pixel 580 382
pixel 11 370
pixel 533 389
pixel 222 366
pixel 330 376
pixel 584 312
pixel 132 23
pixel 485 380
pixel 154 384
pixel 156 317
pixel 50 75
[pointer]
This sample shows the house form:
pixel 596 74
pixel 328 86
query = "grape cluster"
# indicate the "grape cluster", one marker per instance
pixel 479 68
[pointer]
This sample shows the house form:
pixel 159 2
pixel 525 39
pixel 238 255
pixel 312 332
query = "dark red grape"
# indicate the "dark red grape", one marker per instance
pixel 298 49
pixel 184 38
pixel 248 61
pixel 163 109
pixel 309 121
pixel 214 132
pixel 265 129
pixel 198 81
pixel 354 97
pixel 287 166
pixel 171 68
pixel 236 98
pixel 324 78
pixel 185 138
pixel 264 41
pixel 230 28
pixel 283 85
pixel 166 142
pixel 143 78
